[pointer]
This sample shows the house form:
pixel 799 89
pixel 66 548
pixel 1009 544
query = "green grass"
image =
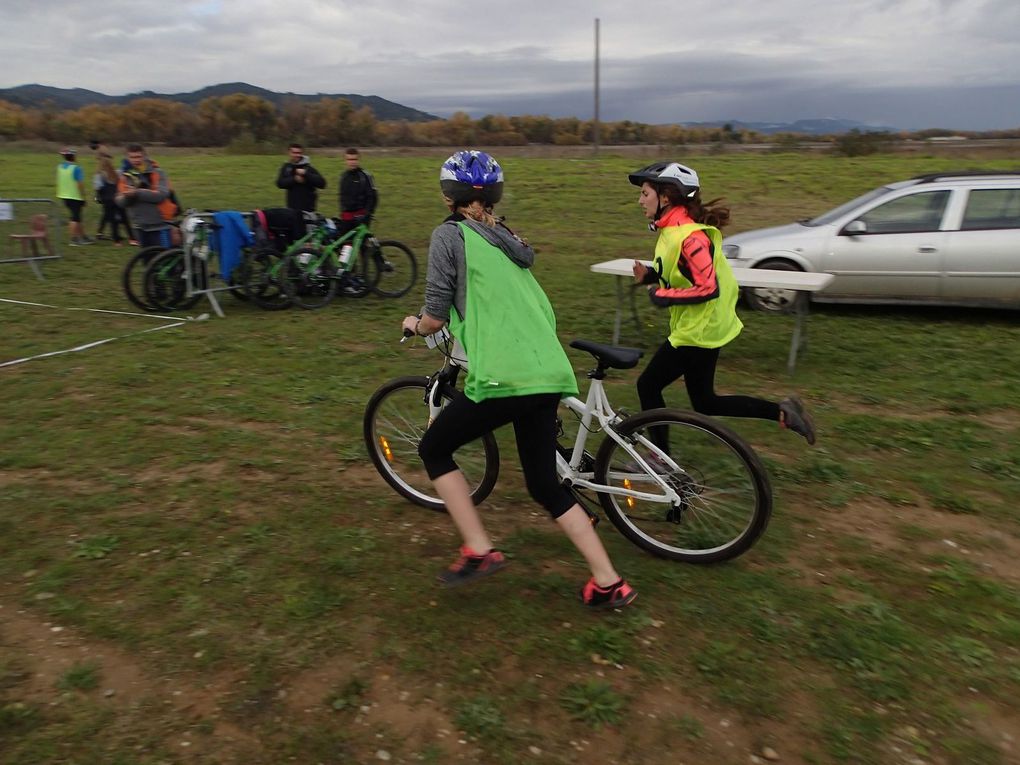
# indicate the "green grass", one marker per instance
pixel 196 502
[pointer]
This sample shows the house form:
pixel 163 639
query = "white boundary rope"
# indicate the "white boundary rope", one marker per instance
pixel 176 322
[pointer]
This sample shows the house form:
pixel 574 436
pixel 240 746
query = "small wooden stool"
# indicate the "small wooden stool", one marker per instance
pixel 31 241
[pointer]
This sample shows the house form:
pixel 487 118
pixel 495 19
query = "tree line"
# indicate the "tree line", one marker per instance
pixel 248 122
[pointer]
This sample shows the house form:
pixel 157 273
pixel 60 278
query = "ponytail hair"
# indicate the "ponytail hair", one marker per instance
pixel 709 213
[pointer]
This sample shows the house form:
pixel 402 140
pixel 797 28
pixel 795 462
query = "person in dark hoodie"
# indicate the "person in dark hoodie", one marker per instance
pixel 300 180
pixel 358 196
pixel 479 282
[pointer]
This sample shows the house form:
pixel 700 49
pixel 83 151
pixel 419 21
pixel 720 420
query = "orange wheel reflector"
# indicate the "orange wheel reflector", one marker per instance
pixel 630 500
pixel 387 452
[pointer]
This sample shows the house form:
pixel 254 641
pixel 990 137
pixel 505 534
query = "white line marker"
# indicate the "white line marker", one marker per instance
pixel 89 345
pixel 96 310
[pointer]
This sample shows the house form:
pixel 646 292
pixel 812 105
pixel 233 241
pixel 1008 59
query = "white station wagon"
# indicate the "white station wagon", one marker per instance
pixel 943 238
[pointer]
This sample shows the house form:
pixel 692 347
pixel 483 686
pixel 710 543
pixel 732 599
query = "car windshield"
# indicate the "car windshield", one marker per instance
pixel 843 209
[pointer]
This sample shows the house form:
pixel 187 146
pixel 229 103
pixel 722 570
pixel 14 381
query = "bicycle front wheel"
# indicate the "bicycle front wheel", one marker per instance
pixel 307 277
pixel 724 497
pixel 396 418
pixel 166 286
pixel 133 277
pixel 397 267
pixel 259 271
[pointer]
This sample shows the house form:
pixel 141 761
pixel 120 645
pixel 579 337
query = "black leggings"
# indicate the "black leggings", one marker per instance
pixel 114 215
pixel 697 367
pixel 534 421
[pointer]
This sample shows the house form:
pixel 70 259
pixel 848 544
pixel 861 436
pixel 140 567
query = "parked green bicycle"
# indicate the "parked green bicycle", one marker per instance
pixel 352 265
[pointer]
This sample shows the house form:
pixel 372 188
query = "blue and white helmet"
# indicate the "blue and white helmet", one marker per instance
pixel 469 175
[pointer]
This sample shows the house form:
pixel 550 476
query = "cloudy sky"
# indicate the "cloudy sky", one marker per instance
pixel 901 63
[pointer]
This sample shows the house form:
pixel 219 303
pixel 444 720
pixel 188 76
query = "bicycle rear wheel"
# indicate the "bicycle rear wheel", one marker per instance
pixel 307 277
pixel 133 277
pixel 165 284
pixel 397 267
pixel 396 418
pixel 725 497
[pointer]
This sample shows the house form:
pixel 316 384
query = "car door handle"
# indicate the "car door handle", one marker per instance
pixel 926 249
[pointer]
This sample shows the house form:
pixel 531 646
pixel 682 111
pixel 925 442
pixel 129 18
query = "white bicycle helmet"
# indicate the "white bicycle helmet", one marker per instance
pixel 672 173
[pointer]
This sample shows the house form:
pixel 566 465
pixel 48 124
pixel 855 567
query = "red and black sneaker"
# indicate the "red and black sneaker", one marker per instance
pixel 614 596
pixel 471 566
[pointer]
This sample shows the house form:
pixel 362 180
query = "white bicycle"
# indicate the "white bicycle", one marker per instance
pixel 677 484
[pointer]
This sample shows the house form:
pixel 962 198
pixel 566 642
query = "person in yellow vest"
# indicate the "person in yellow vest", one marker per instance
pixel 71 190
pixel 692 279
pixel 479 281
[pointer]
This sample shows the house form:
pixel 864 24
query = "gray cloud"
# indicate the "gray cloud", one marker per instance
pixel 908 63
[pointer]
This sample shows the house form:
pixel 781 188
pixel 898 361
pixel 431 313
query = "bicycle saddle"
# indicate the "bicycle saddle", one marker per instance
pixel 609 356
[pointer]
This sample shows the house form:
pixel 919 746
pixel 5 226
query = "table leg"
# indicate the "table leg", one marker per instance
pixel 633 310
pixel 799 332
pixel 619 309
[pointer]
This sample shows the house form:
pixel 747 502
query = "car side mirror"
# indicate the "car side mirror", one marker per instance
pixel 854 227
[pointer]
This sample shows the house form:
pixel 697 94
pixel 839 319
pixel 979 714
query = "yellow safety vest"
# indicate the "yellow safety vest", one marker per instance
pixel 713 323
pixel 67 186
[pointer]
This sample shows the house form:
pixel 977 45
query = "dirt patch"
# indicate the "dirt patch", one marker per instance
pixel 990 547
pixel 999 419
pixel 47 477
pixel 47 651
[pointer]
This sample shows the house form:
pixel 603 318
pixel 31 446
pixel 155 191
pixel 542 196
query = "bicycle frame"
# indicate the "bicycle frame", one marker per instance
pixel 596 407
pixel 356 238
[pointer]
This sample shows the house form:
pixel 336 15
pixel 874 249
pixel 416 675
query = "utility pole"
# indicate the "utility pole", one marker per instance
pixel 595 124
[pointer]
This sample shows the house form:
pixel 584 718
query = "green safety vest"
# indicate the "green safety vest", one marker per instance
pixel 67 186
pixel 713 323
pixel 508 329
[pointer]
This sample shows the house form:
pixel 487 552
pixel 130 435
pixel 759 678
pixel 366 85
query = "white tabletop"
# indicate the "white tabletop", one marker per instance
pixel 746 277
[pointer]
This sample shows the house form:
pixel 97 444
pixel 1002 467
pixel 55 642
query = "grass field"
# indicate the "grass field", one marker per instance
pixel 198 563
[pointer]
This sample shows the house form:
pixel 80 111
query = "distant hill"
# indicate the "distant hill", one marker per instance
pixel 804 127
pixel 75 98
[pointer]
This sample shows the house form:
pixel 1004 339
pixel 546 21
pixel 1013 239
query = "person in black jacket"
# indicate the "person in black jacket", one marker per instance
pixel 358 195
pixel 300 180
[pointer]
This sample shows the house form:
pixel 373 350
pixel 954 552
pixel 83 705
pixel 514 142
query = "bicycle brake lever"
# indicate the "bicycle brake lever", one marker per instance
pixel 407 333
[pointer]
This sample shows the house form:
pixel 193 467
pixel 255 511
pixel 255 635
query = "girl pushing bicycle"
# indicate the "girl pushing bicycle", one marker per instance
pixel 478 281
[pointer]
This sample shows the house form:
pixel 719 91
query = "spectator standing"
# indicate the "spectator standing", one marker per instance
pixel 144 190
pixel 300 180
pixel 357 193
pixel 71 190
pixel 105 184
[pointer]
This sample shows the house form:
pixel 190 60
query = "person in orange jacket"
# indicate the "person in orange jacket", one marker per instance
pixel 144 191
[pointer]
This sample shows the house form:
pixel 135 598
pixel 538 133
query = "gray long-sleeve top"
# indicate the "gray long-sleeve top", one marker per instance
pixel 446 275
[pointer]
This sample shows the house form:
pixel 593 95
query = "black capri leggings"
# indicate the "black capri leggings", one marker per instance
pixel 697 367
pixel 534 421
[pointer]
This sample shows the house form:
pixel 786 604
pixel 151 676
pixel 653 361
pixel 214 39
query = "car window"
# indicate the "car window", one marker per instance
pixel 846 207
pixel 992 208
pixel 910 214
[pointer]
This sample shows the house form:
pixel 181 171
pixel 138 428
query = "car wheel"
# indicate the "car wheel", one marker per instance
pixel 774 299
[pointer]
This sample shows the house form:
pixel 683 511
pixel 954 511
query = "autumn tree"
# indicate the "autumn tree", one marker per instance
pixel 12 120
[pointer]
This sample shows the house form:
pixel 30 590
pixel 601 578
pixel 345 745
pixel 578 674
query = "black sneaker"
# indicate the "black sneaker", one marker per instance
pixel 614 596
pixel 471 566
pixel 794 416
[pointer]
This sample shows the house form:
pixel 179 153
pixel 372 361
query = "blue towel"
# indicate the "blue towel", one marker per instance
pixel 229 238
